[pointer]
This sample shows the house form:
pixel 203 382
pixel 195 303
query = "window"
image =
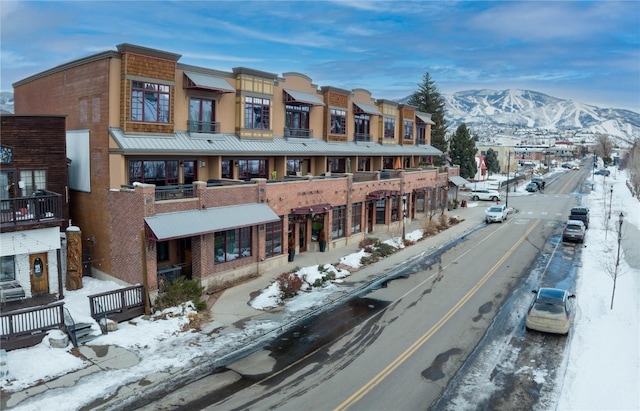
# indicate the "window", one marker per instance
pixel 256 112
pixel 364 163
pixel 389 127
pixel 248 169
pixel 408 130
pixel 149 102
pixel 336 165
pixel 232 244
pixel 158 172
pixel 189 171
pixel 420 202
pixel 294 166
pixel 296 121
pixel 395 209
pixel 356 218
pixel 33 180
pixel 202 115
pixel 8 267
pixel 338 121
pixel 422 133
pixel 162 253
pixel 362 125
pixel 339 222
pixel 273 243
pixel 227 169
pixel 380 211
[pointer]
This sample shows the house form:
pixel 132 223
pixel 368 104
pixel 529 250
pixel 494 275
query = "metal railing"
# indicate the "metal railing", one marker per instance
pixel 41 206
pixel 298 132
pixel 174 192
pixel 210 127
pixel 363 137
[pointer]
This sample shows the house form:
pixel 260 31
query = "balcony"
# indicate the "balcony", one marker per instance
pixel 42 206
pixel 209 127
pixel 363 137
pixel 298 132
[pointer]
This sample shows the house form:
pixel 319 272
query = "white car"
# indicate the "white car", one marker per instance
pixel 496 214
pixel 485 194
pixel 551 311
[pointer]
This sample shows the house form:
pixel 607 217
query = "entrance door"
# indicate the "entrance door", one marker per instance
pixel 302 235
pixel 39 274
pixel 370 215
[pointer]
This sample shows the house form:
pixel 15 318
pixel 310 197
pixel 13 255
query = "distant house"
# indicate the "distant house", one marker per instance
pixel 481 169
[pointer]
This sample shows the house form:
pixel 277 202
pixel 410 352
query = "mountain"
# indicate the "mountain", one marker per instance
pixel 6 102
pixel 487 112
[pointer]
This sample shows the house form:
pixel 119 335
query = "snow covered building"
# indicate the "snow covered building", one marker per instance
pixel 216 175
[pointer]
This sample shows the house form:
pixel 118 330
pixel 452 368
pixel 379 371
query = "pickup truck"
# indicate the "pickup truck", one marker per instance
pixel 496 214
pixel 581 214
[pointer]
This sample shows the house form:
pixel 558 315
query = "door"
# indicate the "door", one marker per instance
pixel 39 274
pixel 302 235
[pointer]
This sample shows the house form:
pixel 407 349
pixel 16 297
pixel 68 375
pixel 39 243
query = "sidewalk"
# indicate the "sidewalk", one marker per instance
pixel 229 312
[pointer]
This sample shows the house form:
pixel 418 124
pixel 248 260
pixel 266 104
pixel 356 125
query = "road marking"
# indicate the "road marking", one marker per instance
pixel 357 396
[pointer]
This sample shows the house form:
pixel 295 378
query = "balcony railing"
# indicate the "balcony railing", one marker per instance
pixel 41 206
pixel 365 137
pixel 298 132
pixel 210 127
pixel 172 192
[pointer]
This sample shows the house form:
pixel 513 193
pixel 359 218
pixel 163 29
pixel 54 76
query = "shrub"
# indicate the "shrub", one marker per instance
pixel 289 284
pixel 180 291
pixel 368 242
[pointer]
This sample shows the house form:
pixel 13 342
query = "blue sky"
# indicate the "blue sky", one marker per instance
pixel 580 50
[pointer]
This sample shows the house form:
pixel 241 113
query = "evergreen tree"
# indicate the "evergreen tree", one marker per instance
pixel 462 150
pixel 428 100
pixel 491 158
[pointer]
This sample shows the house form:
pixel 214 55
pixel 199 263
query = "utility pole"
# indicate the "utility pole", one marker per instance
pixel 506 201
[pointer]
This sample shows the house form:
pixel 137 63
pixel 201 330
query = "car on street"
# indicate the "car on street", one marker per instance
pixel 496 214
pixel 539 181
pixel 566 165
pixel 575 167
pixel 574 231
pixel 485 194
pixel 550 311
pixel 531 187
pixel 580 213
pixel 603 172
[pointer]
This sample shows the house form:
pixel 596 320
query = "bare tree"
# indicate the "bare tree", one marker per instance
pixel 604 148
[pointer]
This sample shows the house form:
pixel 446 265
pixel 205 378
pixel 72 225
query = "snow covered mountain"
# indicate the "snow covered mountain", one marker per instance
pixel 6 102
pixel 485 110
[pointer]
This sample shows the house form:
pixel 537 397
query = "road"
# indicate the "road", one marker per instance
pixel 418 342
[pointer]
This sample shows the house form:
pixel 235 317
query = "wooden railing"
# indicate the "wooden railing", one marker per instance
pixel 28 326
pixel 42 206
pixel 118 305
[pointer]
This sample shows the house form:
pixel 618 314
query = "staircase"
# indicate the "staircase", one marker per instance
pixel 79 333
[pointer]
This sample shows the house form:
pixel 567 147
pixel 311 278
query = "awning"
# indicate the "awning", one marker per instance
pixel 203 81
pixel 420 190
pixel 425 118
pixel 380 194
pixel 367 108
pixel 301 97
pixel 313 209
pixel 167 226
pixel 459 181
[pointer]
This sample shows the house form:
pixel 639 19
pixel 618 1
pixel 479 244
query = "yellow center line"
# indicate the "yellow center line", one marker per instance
pixel 356 396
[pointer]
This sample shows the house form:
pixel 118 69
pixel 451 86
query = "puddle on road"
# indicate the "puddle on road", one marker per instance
pixel 434 373
pixel 484 309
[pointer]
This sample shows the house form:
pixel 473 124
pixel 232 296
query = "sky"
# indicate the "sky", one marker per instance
pixel 601 339
pixel 587 51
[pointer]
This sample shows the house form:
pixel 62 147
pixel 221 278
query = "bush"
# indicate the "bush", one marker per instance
pixel 289 284
pixel 180 291
pixel 368 242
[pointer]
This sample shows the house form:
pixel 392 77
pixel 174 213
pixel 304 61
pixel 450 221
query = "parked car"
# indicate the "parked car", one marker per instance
pixel 539 181
pixel 566 165
pixel 496 214
pixel 574 230
pixel 603 172
pixel 575 167
pixel 485 194
pixel 531 187
pixel 551 311
pixel 580 213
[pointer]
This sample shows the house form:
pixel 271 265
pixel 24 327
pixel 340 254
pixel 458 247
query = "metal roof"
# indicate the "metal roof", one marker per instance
pixel 426 118
pixel 184 143
pixel 459 181
pixel 209 82
pixel 193 222
pixel 368 108
pixel 302 97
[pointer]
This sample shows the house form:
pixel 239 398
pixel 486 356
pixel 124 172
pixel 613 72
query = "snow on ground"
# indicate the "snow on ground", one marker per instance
pixel 603 364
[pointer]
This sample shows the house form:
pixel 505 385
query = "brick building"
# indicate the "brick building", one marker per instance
pixel 216 175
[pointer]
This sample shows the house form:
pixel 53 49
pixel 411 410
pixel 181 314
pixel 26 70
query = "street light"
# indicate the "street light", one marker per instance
pixel 506 201
pixel 615 274
pixel 610 201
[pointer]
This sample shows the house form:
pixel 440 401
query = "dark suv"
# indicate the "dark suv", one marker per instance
pixel 580 213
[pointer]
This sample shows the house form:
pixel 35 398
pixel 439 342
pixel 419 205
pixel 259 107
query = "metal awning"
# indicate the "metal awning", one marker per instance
pixel 367 108
pixel 425 118
pixel 203 81
pixel 459 181
pixel 301 97
pixel 168 226
pixel 313 209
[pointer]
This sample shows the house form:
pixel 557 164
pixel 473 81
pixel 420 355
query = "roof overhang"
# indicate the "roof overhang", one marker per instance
pixel 425 118
pixel 314 209
pixel 293 96
pixel 206 82
pixel 169 226
pixel 366 108
pixel 459 181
